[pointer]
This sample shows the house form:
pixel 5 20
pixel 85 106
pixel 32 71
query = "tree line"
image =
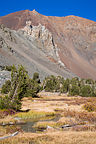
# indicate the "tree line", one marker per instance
pixel 21 85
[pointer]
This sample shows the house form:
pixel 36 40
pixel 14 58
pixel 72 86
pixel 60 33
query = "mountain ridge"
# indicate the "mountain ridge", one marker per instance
pixel 74 36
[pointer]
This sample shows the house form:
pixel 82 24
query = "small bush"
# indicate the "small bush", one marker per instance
pixel 32 88
pixel 90 107
pixel 51 84
pixel 6 87
pixel 89 81
pixel 7 103
pixel 83 115
pixel 74 81
pixel 6 112
pixel 86 91
pixel 74 90
pixel 8 68
pixel 36 77
pixel 65 86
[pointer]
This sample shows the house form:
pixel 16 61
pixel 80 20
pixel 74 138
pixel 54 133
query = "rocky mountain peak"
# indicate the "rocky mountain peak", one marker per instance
pixel 35 12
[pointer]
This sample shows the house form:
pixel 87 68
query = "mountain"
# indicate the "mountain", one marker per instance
pixel 68 43
pixel 19 47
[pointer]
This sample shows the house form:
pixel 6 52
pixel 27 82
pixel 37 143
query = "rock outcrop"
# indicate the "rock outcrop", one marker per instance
pixel 42 36
pixel 44 40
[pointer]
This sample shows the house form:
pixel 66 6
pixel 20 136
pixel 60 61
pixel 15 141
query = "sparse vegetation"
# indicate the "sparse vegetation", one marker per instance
pixel 82 115
pixel 90 106
pixel 43 125
pixel 34 114
pixel 7 68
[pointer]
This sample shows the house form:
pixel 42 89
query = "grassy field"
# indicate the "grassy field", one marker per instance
pixel 71 110
pixel 68 137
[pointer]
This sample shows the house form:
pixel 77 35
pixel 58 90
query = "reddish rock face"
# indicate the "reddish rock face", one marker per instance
pixel 75 38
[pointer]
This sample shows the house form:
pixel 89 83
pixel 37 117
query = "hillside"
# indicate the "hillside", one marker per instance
pixel 17 48
pixel 69 41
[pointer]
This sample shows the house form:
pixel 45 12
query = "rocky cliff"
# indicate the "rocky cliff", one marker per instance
pixel 42 36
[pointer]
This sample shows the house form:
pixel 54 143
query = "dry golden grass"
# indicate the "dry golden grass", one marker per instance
pixel 68 120
pixel 90 105
pixel 78 101
pixel 7 119
pixel 82 115
pixel 66 137
pixel 2 131
pixel 71 111
pixel 41 125
pixel 49 102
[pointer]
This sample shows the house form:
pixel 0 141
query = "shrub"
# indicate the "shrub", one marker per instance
pixel 32 88
pixel 51 84
pixel 74 81
pixel 7 103
pixel 8 68
pixel 89 81
pixel 6 87
pixel 74 90
pixel 6 112
pixel 65 86
pixel 90 107
pixel 86 91
pixel 82 82
pixel 36 77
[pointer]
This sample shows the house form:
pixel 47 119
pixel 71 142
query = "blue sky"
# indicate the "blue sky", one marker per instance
pixel 82 8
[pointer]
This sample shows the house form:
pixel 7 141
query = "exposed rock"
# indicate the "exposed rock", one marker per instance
pixel 5 137
pixel 4 76
pixel 49 127
pixel 1 42
pixel 42 36
pixel 45 40
pixel 68 126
